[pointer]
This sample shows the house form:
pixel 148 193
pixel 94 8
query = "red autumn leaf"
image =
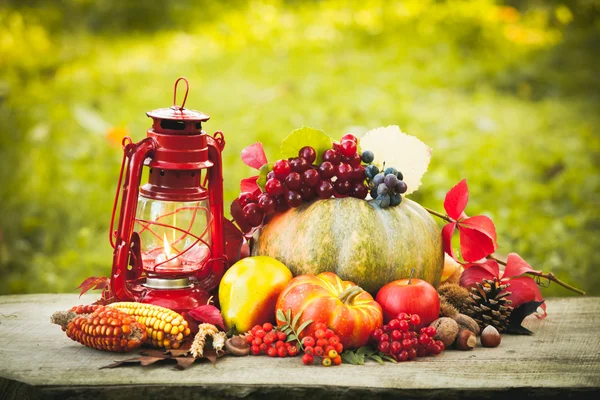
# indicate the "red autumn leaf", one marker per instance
pixel 250 185
pixel 447 232
pixel 476 272
pixel 456 200
pixel 234 240
pixel 254 156
pixel 523 290
pixel 477 237
pixel 516 266
pixel 208 314
pixel 93 283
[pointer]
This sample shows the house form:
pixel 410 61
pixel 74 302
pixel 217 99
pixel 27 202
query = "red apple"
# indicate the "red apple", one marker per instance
pixel 411 296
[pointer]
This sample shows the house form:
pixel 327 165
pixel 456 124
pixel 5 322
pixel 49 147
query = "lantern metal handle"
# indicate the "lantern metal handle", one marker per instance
pixel 187 89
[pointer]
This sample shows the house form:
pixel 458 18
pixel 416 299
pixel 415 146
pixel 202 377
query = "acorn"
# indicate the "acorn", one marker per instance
pixel 490 337
pixel 466 340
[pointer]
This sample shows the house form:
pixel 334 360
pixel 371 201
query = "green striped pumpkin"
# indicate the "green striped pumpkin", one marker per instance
pixel 357 240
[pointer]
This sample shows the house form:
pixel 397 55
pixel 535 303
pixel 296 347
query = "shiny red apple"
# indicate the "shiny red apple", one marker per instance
pixel 411 296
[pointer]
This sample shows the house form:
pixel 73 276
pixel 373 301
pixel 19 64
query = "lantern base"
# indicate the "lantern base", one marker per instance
pixel 180 294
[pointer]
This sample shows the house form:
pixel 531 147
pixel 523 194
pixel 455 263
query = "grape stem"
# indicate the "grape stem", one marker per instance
pixel 550 276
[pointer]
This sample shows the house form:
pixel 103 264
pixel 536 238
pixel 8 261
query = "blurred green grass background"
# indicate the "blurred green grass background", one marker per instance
pixel 506 93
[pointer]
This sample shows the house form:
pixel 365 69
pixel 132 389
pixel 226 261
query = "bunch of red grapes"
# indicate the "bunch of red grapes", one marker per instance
pixel 401 339
pixel 339 173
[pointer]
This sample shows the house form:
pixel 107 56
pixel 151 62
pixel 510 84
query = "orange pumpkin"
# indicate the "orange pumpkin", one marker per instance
pixel 345 307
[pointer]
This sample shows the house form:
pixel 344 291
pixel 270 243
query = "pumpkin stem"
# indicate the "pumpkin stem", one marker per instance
pixel 348 295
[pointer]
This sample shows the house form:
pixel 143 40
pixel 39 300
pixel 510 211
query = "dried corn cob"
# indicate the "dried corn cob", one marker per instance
pixel 165 327
pixel 101 328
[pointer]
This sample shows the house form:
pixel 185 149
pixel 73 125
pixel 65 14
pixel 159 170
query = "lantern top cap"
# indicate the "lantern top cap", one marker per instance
pixel 176 112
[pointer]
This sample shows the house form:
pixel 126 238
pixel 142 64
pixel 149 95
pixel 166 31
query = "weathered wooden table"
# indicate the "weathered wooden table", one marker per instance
pixel 37 360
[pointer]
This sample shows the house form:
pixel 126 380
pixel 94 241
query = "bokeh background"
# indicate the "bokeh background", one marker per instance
pixel 506 93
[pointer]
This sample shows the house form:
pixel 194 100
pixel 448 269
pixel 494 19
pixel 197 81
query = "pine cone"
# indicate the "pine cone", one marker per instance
pixel 489 305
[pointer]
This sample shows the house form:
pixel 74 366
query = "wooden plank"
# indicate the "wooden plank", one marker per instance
pixel 563 357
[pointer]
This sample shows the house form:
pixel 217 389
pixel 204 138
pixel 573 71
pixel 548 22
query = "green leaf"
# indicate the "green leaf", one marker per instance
pixel 386 357
pixel 291 338
pixel 262 175
pixel 365 350
pixel 303 326
pixel 349 357
pixel 375 357
pixel 289 316
pixel 288 331
pixel 280 316
pixel 296 319
pixel 284 327
pixel 305 136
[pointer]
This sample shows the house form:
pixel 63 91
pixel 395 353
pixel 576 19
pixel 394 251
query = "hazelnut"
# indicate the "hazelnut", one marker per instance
pixel 490 337
pixel 446 330
pixel 237 346
pixel 466 322
pixel 466 340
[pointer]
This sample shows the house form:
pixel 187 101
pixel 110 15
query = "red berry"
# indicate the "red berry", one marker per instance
pixel 412 354
pixel 325 189
pixel 307 193
pixel 292 351
pixel 309 350
pixel 249 339
pixel 282 352
pixel 281 168
pixel 266 203
pixel 354 161
pixel 293 199
pixel 403 356
pixel 340 186
pixel 281 204
pixel 293 180
pixel 322 342
pixel 246 198
pixel 329 333
pixel 403 316
pixel 415 320
pixel 406 344
pixel 344 171
pixel 337 360
pixel 308 153
pixel 272 351
pixel 424 339
pixel 274 187
pixel 334 340
pixel 308 341
pixel 414 342
pixel 311 177
pixel 328 348
pixel 393 325
pixel 281 336
pixel 376 335
pixel 320 333
pixel 318 351
pixel 253 214
pixel 395 347
pixel 299 164
pixel 263 348
pixel 430 331
pixel 434 349
pixel 267 327
pixel 270 175
pixel 260 333
pixel 307 359
pixel 332 156
pixel 348 147
pixel 440 344
pixel 384 338
pixel 255 350
pixel 349 136
pixel 396 335
pixel 359 191
pixel 257 341
pixel 279 343
pixel 421 351
pixel 339 348
pixel 384 347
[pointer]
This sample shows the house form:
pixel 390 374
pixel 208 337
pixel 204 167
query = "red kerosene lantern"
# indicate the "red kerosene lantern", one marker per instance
pixel 169 246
